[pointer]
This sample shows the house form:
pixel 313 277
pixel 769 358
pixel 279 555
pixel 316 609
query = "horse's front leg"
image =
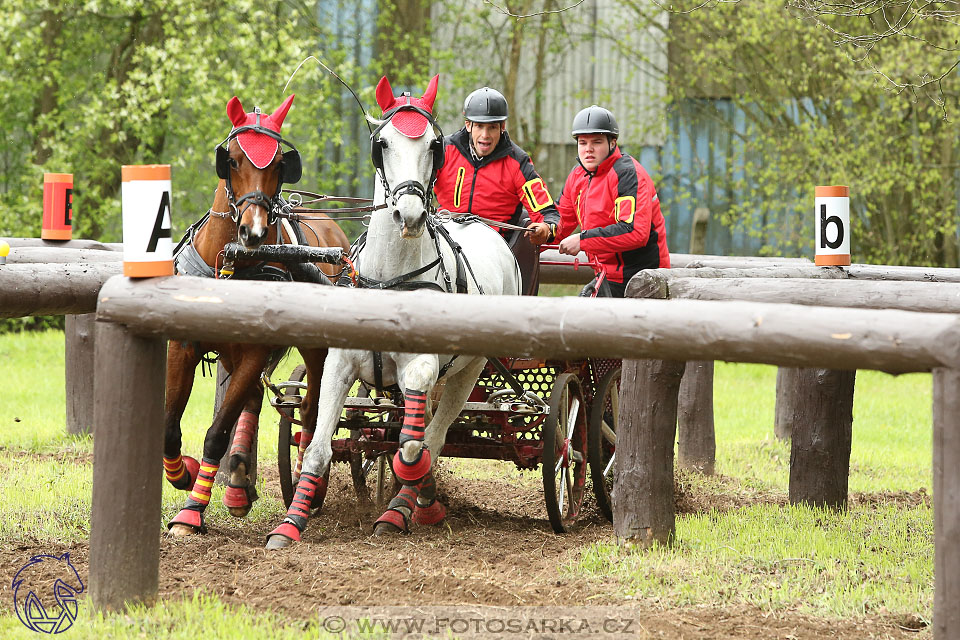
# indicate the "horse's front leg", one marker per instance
pixel 182 359
pixel 412 462
pixel 340 371
pixel 244 367
pixel 459 385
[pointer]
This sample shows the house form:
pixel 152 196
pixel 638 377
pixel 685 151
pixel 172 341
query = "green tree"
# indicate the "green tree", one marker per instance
pixel 811 114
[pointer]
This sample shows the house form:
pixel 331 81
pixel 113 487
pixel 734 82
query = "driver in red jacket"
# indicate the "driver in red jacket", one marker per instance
pixel 612 199
pixel 485 173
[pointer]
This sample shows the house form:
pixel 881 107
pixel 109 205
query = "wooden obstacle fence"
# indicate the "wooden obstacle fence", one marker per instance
pixel 45 277
pixel 822 400
pixel 569 328
pixel 696 419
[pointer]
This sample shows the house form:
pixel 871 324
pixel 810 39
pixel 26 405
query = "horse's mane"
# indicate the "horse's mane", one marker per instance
pixel 374 121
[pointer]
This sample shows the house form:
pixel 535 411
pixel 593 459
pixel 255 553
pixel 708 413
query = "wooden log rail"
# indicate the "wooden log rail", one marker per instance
pixel 697 440
pixel 563 274
pixel 52 289
pixel 144 313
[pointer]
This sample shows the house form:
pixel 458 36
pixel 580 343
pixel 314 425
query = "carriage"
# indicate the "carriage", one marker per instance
pixel 558 415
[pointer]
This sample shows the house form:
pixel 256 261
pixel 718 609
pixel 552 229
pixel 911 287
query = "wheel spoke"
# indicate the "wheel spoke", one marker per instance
pixel 563 485
pixel 615 400
pixel 556 469
pixel 608 434
pixel 572 417
pixel 606 469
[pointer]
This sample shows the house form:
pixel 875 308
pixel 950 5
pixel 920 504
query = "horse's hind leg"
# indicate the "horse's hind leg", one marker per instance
pixel 182 359
pixel 243 377
pixel 240 493
pixel 313 359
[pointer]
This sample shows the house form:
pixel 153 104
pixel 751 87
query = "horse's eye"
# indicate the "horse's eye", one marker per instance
pixel 234 163
pixel 383 144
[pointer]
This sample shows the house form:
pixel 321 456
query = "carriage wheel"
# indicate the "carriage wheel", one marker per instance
pixel 602 439
pixel 564 462
pixel 287 447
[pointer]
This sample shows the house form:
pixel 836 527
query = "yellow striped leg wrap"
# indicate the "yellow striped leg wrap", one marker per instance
pixel 204 485
pixel 174 468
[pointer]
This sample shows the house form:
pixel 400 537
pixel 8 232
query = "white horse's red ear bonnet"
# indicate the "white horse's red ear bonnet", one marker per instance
pixel 260 148
pixel 408 122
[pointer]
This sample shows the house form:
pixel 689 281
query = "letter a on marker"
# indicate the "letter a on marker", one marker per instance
pixel 159 231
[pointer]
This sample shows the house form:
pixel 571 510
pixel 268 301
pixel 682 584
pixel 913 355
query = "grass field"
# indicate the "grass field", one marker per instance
pixel 750 549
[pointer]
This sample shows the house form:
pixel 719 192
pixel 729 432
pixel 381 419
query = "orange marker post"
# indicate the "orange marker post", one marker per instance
pixel 57 206
pixel 832 213
pixel 145 197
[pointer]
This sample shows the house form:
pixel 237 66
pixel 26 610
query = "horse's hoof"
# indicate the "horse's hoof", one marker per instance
pixel 386 529
pixel 278 541
pixel 283 536
pixel 434 513
pixel 187 523
pixel 237 501
pixel 390 523
pixel 182 530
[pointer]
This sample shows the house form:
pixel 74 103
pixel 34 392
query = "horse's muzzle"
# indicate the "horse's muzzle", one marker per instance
pixel 249 239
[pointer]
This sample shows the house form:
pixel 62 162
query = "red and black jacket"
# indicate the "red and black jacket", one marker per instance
pixel 498 186
pixel 618 210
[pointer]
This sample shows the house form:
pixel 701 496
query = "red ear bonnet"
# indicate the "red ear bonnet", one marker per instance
pixel 409 123
pixel 260 148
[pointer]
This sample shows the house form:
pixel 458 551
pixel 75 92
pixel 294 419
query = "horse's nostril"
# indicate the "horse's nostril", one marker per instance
pixel 244 233
pixel 397 218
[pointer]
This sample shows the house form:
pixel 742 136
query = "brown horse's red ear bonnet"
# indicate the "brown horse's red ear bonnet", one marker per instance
pixel 260 148
pixel 409 123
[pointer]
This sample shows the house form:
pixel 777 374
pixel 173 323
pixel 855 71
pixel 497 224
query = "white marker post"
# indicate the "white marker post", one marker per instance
pixel 145 197
pixel 832 213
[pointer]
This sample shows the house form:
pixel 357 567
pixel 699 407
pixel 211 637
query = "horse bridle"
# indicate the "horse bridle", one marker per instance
pixel 291 170
pixel 408 187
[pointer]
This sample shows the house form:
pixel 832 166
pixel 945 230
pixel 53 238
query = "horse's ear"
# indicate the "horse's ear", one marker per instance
pixel 431 93
pixel 281 112
pixel 235 112
pixel 384 94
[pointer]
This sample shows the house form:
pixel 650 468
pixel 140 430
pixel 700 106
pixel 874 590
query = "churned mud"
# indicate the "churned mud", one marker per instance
pixel 494 552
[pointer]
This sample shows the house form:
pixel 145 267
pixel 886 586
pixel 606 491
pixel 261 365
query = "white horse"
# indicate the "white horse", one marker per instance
pixel 400 243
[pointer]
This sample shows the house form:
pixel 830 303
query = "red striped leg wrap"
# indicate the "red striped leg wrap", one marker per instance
pixel 204 484
pixel 415 405
pixel 414 411
pixel 407 498
pixel 429 510
pixel 308 486
pixel 306 437
pixel 433 513
pixel 244 434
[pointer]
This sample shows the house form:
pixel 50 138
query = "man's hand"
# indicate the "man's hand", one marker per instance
pixel 539 232
pixel 571 245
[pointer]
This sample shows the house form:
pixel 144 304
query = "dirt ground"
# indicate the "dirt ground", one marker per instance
pixel 495 550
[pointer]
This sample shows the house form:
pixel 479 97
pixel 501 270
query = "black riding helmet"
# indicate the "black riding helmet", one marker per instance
pixel 595 119
pixel 485 105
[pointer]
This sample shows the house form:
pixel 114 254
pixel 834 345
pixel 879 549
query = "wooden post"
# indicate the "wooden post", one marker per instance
pixel 643 500
pixel 79 339
pixel 786 407
pixel 820 446
pixel 127 473
pixel 946 503
pixel 697 446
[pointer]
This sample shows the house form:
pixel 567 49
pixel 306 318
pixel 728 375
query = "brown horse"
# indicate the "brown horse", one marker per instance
pixel 250 162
